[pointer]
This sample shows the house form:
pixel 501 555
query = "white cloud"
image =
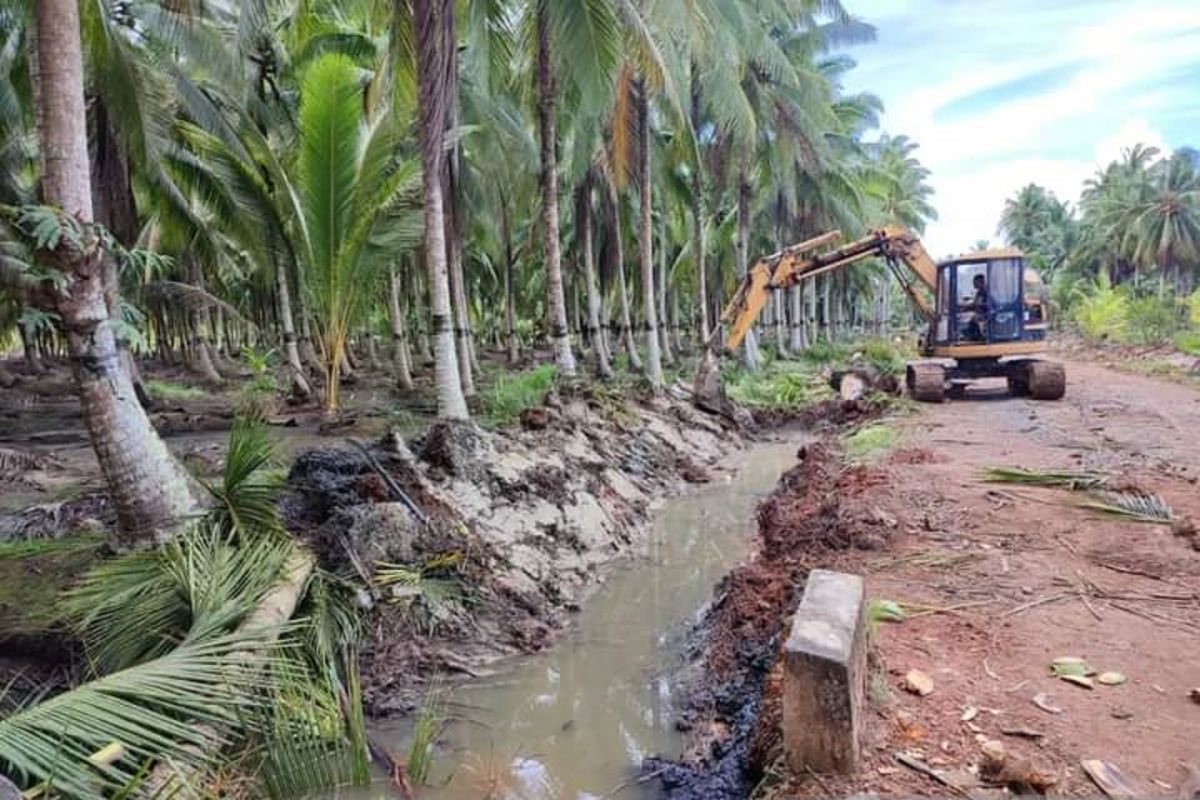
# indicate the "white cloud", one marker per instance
pixel 1111 55
pixel 1109 148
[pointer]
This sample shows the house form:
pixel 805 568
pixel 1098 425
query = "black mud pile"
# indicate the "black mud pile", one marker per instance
pixel 733 706
pixel 493 536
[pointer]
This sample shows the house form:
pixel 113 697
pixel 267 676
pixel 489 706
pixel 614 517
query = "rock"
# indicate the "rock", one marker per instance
pixel 918 683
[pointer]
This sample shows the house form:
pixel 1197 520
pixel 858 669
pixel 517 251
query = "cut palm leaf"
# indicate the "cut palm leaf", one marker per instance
pixel 1075 480
pixel 154 710
pixel 1134 506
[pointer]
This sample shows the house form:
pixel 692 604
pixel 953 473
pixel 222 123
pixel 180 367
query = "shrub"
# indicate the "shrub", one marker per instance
pixel 510 395
pixel 775 388
pixel 1102 313
pixel 883 355
pixel 1188 342
pixel 1151 320
pixel 1193 309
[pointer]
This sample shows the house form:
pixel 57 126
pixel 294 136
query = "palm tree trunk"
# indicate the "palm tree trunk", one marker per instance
pixel 33 354
pixel 664 325
pixel 826 319
pixel 698 254
pixel 430 18
pixel 626 321
pixel 150 491
pixel 454 223
pixel 300 387
pixel 510 284
pixel 583 221
pixel 675 322
pixel 560 339
pixel 616 250
pixel 797 321
pixel 654 373
pixel 308 351
pixel 399 335
pixel 751 357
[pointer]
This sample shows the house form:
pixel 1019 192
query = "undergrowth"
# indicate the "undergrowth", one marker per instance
pixel 870 442
pixel 512 394
pixel 173 390
pixel 779 385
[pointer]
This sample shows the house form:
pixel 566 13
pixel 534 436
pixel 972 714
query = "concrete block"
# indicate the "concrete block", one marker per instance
pixel 825 668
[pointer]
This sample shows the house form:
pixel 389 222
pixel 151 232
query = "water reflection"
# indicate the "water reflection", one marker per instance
pixel 576 721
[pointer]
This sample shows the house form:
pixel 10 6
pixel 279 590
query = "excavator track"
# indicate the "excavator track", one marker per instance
pixel 926 382
pixel 1047 380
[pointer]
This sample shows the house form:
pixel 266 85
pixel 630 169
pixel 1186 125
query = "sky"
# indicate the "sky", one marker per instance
pixel 1002 93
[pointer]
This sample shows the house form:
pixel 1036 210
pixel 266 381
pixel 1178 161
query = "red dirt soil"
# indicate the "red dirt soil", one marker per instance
pixel 1044 579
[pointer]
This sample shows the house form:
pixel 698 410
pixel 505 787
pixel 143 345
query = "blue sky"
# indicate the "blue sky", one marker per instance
pixel 1000 93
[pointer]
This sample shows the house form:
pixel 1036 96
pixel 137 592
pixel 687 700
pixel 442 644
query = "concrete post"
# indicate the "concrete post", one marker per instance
pixel 825 675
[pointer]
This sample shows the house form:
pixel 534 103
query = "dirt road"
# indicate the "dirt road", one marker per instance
pixel 1046 579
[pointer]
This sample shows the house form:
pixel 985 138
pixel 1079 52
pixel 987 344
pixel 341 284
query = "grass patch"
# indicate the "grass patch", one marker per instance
pixel 173 390
pixel 512 394
pixel 1188 342
pixel 870 443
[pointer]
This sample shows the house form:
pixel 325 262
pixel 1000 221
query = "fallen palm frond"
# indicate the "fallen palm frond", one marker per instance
pixel 427 594
pixel 1075 480
pixel 1135 506
pixel 155 710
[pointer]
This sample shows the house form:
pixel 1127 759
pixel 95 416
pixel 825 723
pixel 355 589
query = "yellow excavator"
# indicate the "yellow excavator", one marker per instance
pixel 987 319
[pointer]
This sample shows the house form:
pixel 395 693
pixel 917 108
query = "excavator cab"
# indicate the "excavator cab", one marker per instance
pixel 981 299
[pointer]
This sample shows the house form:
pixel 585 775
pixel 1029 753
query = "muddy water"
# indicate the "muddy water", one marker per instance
pixel 576 721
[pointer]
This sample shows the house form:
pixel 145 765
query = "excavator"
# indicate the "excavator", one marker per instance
pixel 987 319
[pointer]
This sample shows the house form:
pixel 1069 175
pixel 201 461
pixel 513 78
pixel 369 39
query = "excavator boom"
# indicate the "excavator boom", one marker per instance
pixel 788 267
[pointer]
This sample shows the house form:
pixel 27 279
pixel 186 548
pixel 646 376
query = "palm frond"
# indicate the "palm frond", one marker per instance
pixel 1072 479
pixel 1134 506
pixel 165 708
pixel 248 493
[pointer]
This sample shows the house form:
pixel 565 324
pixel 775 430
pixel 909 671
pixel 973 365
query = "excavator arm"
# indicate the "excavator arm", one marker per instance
pixel 788 267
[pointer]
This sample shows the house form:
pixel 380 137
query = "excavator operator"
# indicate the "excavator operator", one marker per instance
pixel 978 307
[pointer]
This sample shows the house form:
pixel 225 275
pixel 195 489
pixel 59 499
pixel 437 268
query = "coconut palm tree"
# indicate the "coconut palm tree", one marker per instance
pixel 150 490
pixel 431 21
pixel 1163 220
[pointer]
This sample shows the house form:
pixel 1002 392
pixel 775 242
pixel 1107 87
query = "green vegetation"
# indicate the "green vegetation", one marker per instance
pixel 38 548
pixel 1123 268
pixel 174 390
pixel 779 385
pixel 1188 342
pixel 431 721
pixel 178 668
pixel 511 394
pixel 870 443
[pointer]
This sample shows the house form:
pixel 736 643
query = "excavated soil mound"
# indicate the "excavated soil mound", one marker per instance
pixel 493 536
pixel 733 710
